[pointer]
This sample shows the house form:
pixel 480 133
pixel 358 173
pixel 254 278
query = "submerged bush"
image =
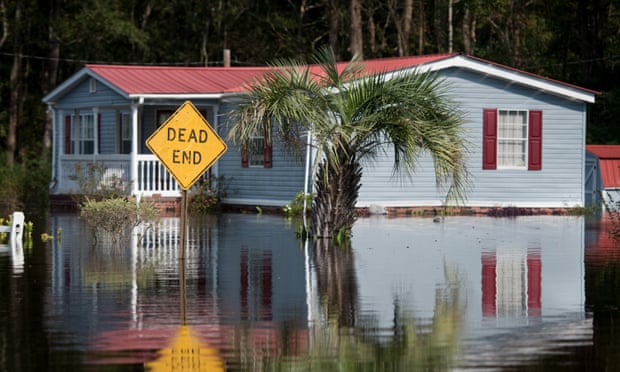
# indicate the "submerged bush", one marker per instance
pixel 27 231
pixel 24 187
pixel 206 196
pixel 296 206
pixel 96 181
pixel 613 212
pixel 117 216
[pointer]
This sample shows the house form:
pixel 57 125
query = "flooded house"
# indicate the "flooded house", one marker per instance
pixel 526 136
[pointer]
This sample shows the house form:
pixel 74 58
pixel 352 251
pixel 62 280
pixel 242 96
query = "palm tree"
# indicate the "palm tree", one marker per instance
pixel 352 117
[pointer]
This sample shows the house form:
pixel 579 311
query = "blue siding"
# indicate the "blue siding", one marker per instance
pixel 275 186
pixel 108 103
pixel 80 97
pixel 108 143
pixel 149 123
pixel 261 244
pixel 558 184
pixel 593 180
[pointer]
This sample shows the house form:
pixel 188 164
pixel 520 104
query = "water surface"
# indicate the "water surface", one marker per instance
pixel 535 292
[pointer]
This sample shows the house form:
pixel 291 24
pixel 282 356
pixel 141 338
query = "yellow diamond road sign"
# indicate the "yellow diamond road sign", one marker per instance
pixel 186 144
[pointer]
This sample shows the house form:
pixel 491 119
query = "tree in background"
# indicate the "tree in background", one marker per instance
pixel 353 117
pixel 44 42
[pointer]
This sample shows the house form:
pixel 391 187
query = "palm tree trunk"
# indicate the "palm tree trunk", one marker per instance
pixel 337 187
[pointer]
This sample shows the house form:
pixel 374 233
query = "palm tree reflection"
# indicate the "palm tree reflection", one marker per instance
pixel 348 339
pixel 336 281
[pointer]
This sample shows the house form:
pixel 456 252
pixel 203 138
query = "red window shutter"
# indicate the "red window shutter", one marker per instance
pixel 119 133
pixel 245 163
pixel 267 155
pixel 68 135
pixel 267 149
pixel 489 284
pixel 534 140
pixel 489 139
pixel 534 284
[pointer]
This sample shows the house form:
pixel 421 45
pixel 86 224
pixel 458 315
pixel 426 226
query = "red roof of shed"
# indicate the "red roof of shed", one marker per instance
pixel 609 163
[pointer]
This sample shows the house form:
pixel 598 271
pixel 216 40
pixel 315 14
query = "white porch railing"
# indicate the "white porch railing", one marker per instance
pixel 152 177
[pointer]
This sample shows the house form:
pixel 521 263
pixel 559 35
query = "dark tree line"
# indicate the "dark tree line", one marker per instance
pixel 44 42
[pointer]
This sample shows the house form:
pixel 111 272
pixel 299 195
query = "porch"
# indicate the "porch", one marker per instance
pixel 114 173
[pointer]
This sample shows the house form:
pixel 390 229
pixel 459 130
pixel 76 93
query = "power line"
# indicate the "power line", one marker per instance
pixel 237 62
pixel 85 61
pixel 575 62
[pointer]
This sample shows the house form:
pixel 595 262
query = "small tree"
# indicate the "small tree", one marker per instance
pixel 353 116
pixel 116 217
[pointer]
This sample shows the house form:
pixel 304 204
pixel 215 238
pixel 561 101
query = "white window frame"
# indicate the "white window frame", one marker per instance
pixel 83 134
pixel 512 138
pixel 92 85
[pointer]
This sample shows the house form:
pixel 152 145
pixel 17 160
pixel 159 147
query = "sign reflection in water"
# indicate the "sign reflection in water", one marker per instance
pixel 407 292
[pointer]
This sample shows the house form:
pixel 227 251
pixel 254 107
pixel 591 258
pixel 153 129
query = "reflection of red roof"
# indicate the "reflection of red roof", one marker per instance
pixel 130 345
pixel 604 248
pixel 609 163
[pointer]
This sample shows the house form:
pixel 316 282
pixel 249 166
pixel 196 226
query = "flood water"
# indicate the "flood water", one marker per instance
pixel 467 293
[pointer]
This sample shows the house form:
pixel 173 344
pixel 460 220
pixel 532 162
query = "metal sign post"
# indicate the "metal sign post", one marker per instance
pixel 187 146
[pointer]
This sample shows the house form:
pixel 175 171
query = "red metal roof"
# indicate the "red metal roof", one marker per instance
pixel 177 80
pixel 210 80
pixel 609 163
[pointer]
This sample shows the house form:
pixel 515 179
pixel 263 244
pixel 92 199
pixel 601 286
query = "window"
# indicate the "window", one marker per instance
pixel 162 116
pixel 257 152
pixel 512 139
pixel 92 86
pixel 80 134
pixel 124 134
pixel 86 134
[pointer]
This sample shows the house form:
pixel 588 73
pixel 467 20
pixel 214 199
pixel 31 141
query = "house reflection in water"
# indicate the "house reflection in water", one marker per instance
pixel 245 282
pixel 511 284
pixel 251 286
pixel 514 271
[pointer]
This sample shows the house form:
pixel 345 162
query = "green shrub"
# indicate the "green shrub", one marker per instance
pixel 27 231
pixel 117 216
pixel 11 181
pixel 24 187
pixel 94 183
pixel 206 196
pixel 296 206
pixel 613 211
pixel 35 184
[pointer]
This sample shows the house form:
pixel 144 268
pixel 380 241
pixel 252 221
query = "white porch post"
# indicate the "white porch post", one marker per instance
pixel 133 176
pixel 59 149
pixel 215 124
